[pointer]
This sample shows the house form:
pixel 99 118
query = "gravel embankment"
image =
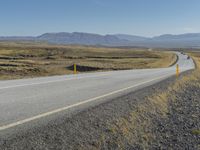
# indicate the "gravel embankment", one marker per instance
pixel 103 126
pixel 181 128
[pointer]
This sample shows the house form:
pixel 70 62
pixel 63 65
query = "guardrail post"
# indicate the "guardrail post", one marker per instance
pixel 177 70
pixel 75 69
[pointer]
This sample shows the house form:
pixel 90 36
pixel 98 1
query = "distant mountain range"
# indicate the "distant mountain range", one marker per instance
pixel 82 38
pixel 189 40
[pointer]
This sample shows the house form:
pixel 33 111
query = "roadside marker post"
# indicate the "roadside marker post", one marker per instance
pixel 74 68
pixel 177 70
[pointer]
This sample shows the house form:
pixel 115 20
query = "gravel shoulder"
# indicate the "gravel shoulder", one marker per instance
pixel 180 129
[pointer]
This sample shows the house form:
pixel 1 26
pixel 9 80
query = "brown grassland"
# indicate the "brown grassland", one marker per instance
pixel 26 60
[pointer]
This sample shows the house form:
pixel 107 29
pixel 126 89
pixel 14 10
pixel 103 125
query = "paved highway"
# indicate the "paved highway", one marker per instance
pixel 27 100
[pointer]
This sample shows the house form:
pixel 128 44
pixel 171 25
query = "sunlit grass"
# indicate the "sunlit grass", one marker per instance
pixel 18 60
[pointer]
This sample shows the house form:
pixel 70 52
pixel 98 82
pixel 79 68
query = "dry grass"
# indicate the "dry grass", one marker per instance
pixel 22 60
pixel 196 132
pixel 135 128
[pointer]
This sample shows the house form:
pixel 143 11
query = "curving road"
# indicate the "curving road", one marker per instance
pixel 31 100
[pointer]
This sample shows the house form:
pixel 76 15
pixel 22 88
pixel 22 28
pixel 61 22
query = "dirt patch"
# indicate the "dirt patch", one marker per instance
pixel 8 65
pixel 9 58
pixel 84 68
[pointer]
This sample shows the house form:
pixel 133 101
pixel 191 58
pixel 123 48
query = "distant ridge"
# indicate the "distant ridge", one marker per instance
pixel 188 40
pixel 82 38
pixel 131 37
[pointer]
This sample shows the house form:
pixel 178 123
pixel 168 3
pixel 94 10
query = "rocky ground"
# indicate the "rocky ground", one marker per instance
pixel 180 129
pixel 131 121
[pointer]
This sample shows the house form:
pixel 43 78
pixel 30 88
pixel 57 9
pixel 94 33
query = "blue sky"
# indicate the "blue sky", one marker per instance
pixel 138 17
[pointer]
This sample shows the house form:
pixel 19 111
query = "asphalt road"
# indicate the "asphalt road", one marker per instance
pixel 31 100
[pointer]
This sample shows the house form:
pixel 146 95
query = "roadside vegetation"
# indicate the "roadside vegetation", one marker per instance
pixel 168 119
pixel 25 60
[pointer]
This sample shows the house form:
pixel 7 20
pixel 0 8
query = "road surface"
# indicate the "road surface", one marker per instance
pixel 31 100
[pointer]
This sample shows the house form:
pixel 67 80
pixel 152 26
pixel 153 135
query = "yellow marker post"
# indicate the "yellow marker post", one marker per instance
pixel 74 68
pixel 177 70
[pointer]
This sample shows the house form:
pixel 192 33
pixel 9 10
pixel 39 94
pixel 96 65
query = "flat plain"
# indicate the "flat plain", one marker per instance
pixel 29 59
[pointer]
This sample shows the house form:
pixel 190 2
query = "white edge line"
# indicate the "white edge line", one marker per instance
pixel 4 127
pixel 75 78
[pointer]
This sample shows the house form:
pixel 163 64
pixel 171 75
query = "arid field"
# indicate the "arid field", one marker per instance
pixel 25 60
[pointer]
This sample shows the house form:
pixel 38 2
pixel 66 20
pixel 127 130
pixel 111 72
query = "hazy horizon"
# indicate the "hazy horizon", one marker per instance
pixel 99 34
